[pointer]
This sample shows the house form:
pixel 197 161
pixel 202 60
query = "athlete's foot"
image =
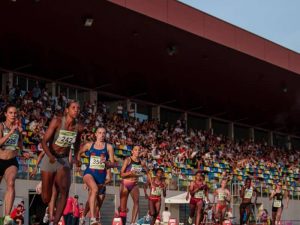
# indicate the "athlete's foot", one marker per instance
pixel 190 220
pixel 46 218
pixel 8 220
pixel 81 221
pixel 94 221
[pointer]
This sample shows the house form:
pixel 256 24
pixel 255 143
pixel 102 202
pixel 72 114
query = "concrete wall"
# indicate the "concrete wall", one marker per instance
pixel 23 187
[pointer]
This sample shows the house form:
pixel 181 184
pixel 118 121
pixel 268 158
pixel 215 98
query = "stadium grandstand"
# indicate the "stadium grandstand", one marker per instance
pixel 196 93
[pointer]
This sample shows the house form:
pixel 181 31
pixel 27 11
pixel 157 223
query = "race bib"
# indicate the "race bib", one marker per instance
pixel 199 194
pixel 96 163
pixel 66 138
pixel 221 196
pixel 137 168
pixel 12 141
pixel 277 203
pixel 249 193
pixel 156 191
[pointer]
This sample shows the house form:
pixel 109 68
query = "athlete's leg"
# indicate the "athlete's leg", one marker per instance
pixel 52 203
pixel 198 212
pixel 47 185
pixel 278 215
pixel 124 193
pixel 135 194
pixel 93 192
pixel 10 177
pixel 152 211
pixel 62 183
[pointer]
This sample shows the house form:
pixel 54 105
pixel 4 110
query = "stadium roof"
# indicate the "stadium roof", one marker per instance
pixel 163 48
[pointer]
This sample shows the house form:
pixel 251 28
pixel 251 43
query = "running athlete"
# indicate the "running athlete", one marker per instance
pixel 130 173
pixel 10 141
pixel 51 205
pixel 246 194
pixel 198 191
pixel 62 133
pixel 223 196
pixel 277 206
pixel 96 172
pixel 157 187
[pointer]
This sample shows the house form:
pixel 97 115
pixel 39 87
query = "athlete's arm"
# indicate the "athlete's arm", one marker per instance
pixel 215 195
pixel 3 139
pixel 34 171
pixel 164 189
pixel 111 163
pixel 82 150
pixel 287 199
pixel 228 196
pixel 192 189
pixel 187 193
pixel 272 195
pixel 123 173
pixel 108 177
pixel 78 141
pixel 242 192
pixel 48 135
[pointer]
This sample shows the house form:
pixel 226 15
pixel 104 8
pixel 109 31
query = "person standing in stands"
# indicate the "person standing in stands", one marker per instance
pixel 10 141
pixel 130 173
pixel 277 206
pixel 166 214
pixel 76 211
pixel 62 133
pixel 96 175
pixel 68 211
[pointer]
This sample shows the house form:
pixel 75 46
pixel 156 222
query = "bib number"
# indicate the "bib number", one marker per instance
pixel 12 141
pixel 221 196
pixel 277 203
pixel 96 163
pixel 136 168
pixel 65 138
pixel 199 194
pixel 249 193
pixel 156 191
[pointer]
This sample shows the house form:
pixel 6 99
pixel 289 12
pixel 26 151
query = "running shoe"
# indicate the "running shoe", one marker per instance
pixel 190 220
pixel 93 221
pixel 8 220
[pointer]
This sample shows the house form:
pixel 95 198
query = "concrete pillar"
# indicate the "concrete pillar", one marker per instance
pixel 7 77
pixel 251 134
pixel 185 117
pixel 93 97
pixel 231 131
pixel 289 142
pixel 270 138
pixel 51 87
pixel 208 123
pixel 155 113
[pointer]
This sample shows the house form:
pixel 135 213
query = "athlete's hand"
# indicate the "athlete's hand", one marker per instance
pixel 78 163
pixel 187 197
pixel 33 173
pixel 52 159
pixel 13 129
pixel 133 173
pixel 26 155
pixel 286 206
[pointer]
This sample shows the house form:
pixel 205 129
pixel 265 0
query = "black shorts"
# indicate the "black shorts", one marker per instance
pixel 4 164
pixel 244 206
pixel 275 209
